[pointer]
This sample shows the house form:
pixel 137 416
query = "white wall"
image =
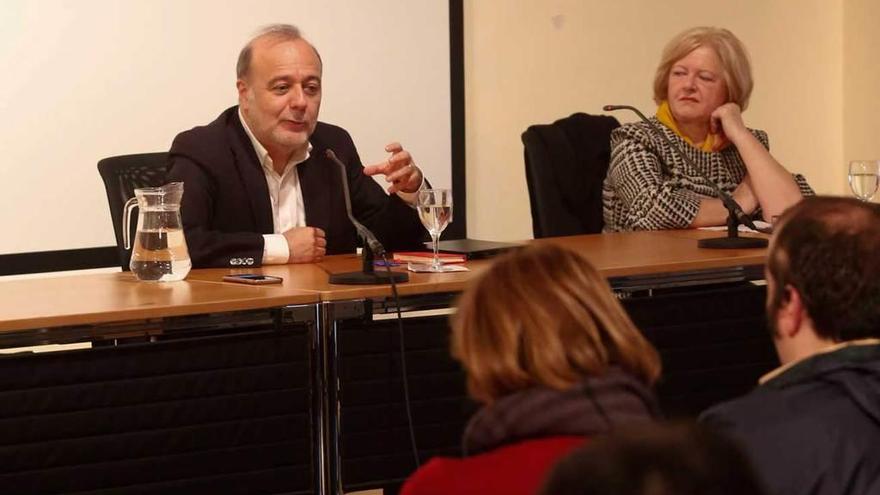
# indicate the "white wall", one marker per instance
pixel 88 79
pixel 531 61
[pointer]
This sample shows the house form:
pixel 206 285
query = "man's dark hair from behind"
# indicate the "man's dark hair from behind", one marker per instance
pixel 677 459
pixel 828 249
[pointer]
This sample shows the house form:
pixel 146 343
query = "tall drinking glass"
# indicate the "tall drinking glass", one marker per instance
pixel 435 211
pixel 864 178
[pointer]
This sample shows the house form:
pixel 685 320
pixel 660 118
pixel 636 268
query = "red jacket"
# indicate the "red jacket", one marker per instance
pixel 509 470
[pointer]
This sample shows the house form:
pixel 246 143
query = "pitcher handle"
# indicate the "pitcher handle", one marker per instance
pixel 126 221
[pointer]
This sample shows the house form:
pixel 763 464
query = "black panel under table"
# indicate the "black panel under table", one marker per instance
pixel 376 451
pixel 223 414
pixel 713 341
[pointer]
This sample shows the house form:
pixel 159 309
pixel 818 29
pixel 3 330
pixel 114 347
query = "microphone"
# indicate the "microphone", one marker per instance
pixel 372 242
pixel 373 247
pixel 736 215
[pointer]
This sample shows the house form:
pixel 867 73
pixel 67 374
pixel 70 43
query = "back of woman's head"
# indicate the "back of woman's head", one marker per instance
pixel 542 315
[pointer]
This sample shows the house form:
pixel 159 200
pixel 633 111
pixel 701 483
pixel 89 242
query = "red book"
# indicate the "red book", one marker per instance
pixel 427 257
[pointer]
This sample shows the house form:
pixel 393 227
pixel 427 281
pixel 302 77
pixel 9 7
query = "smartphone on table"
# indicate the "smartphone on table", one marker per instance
pixel 252 279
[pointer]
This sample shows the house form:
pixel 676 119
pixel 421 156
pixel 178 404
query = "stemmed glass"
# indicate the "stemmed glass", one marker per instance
pixel 435 211
pixel 864 178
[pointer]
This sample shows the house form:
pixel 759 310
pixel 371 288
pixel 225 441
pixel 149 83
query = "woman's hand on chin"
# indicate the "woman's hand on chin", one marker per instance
pixel 726 121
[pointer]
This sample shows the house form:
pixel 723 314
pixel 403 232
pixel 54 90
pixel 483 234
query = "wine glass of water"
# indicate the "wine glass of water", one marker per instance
pixel 435 212
pixel 864 178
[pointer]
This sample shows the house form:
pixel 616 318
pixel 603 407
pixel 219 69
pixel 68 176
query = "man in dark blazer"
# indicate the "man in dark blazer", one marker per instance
pixel 258 186
pixel 813 425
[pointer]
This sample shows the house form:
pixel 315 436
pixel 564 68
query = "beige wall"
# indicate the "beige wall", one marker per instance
pixel 533 61
pixel 861 88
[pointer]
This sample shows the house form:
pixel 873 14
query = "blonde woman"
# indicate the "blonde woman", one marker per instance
pixel 701 87
pixel 555 360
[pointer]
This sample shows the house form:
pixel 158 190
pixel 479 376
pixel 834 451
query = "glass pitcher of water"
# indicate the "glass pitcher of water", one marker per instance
pixel 159 252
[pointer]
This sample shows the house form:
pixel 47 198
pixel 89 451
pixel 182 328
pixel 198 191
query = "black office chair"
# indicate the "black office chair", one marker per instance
pixel 566 163
pixel 122 175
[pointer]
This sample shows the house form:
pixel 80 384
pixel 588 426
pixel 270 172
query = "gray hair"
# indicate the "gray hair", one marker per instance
pixel 281 32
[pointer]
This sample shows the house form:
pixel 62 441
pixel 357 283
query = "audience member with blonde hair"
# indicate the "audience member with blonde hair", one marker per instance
pixel 701 87
pixel 551 354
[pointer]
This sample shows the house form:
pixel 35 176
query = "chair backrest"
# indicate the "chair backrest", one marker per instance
pixel 122 175
pixel 566 163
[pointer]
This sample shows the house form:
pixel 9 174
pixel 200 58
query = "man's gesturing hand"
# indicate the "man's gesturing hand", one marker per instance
pixel 398 169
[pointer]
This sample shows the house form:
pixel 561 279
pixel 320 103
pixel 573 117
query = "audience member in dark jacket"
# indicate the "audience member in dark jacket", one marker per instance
pixel 813 425
pixel 554 359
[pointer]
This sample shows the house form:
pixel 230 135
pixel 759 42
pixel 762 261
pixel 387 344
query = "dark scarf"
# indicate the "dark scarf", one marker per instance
pixel 596 405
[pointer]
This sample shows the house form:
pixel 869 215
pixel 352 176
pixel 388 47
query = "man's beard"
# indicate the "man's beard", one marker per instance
pixel 288 141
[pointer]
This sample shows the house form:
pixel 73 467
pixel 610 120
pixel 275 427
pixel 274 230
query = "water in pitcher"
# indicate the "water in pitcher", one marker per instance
pixel 160 252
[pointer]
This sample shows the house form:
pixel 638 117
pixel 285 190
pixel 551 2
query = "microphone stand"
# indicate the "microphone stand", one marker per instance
pixel 372 247
pixel 368 276
pixel 736 215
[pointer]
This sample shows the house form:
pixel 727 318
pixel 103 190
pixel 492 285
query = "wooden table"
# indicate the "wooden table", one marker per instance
pixel 619 257
pixel 115 297
pixel 41 309
pixel 105 298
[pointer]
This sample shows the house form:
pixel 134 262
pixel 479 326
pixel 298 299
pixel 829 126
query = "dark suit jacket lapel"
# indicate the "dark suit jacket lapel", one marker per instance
pixel 314 176
pixel 252 176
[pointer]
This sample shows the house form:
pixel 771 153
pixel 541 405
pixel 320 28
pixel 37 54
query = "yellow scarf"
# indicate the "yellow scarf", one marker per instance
pixel 664 115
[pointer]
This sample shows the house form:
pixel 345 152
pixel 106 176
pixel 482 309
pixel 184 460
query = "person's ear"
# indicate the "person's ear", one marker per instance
pixel 791 312
pixel 242 88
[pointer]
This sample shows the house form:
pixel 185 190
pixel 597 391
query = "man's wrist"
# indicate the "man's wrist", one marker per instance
pixel 411 198
pixel 276 251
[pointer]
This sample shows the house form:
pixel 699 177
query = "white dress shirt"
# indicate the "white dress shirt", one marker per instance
pixel 286 198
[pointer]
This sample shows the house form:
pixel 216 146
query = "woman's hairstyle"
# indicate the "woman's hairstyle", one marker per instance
pixel 542 315
pixel 730 50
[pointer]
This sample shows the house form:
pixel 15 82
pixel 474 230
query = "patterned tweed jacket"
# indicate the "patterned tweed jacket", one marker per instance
pixel 650 187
